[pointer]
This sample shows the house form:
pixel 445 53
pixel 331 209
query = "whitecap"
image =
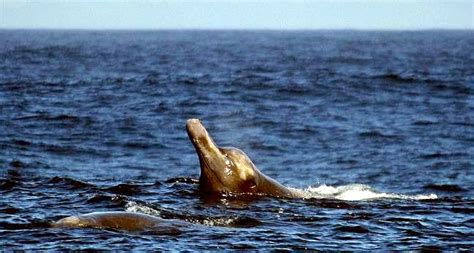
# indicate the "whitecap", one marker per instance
pixel 354 192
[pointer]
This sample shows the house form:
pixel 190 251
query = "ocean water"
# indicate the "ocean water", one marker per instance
pixel 376 129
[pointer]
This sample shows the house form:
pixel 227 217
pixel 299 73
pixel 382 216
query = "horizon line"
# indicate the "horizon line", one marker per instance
pixel 235 29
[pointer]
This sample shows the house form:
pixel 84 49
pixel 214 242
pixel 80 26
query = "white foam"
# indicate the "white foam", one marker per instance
pixel 355 192
pixel 134 207
pixel 214 221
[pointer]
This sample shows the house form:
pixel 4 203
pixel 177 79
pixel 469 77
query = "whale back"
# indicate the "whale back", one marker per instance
pixel 112 220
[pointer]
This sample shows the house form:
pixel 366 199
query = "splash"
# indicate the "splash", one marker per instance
pixel 210 221
pixel 354 192
pixel 134 207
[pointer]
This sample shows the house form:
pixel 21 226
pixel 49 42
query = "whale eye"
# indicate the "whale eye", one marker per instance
pixel 249 185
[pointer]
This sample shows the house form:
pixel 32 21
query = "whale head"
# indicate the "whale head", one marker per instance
pixel 223 170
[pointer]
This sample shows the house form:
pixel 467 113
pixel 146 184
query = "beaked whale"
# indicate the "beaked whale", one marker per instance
pixel 230 170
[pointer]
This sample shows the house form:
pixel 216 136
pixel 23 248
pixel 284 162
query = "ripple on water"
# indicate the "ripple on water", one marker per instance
pixel 374 128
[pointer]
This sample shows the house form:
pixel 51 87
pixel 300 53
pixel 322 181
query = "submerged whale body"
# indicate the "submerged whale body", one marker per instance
pixel 230 170
pixel 118 220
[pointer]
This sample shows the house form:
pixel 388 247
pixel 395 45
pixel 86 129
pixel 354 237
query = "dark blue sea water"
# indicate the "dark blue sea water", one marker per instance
pixel 376 128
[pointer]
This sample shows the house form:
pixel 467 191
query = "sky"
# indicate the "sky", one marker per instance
pixel 233 14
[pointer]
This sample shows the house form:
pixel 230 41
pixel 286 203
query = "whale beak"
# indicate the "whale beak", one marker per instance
pixel 201 139
pixel 210 156
pixel 195 129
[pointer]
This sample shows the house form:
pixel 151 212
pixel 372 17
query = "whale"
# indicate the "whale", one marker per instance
pixel 129 221
pixel 228 170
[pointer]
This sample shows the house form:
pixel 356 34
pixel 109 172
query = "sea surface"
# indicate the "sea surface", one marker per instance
pixel 375 128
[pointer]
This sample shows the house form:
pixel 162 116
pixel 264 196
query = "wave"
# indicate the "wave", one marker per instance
pixel 405 78
pixel 70 183
pixel 46 117
pixel 220 221
pixel 438 155
pixel 355 192
pixel 376 134
pixel 445 187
